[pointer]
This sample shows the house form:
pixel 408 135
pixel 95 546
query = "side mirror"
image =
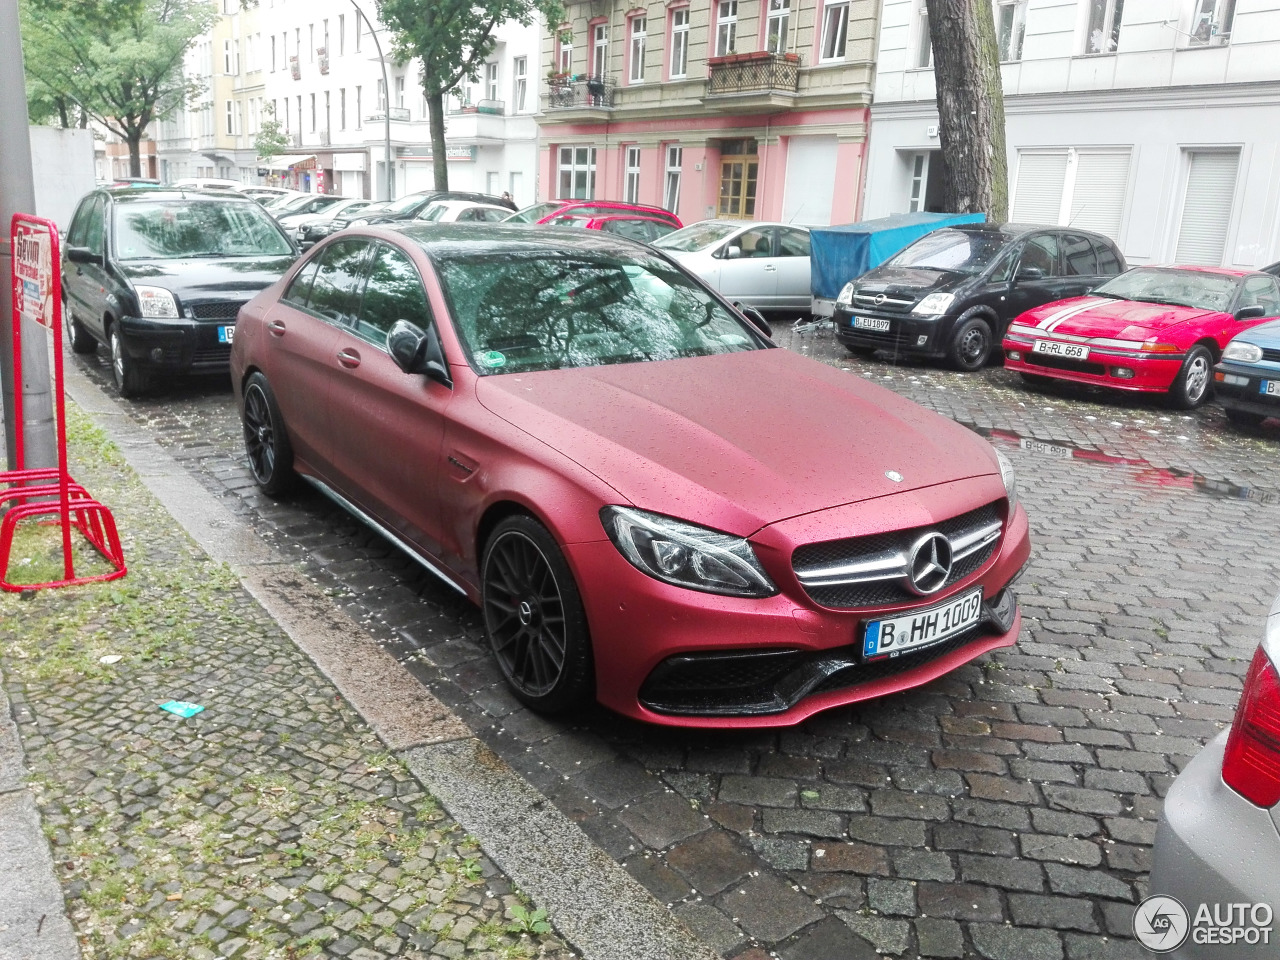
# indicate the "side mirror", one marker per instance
pixel 1251 313
pixel 82 255
pixel 732 252
pixel 1029 272
pixel 416 351
pixel 755 318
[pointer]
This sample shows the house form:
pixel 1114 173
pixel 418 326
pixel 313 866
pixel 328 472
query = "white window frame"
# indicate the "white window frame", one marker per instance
pixel 399 93
pixel 778 26
pixel 922 52
pixel 520 83
pixel 639 34
pixel 1016 11
pixel 671 180
pixel 599 49
pixel 726 27
pixel 577 159
pixel 231 127
pixel 227 66
pixel 1103 19
pixel 566 55
pixel 679 43
pixel 342 34
pixel 313 113
pixel 919 181
pixel 631 184
pixel 342 108
pixel 491 80
pixel 835 31
pixel 1211 22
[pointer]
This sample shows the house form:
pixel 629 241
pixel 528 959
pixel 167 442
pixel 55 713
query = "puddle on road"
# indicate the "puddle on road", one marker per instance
pixel 1142 472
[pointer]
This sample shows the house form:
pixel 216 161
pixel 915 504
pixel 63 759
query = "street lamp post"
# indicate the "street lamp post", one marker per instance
pixel 386 107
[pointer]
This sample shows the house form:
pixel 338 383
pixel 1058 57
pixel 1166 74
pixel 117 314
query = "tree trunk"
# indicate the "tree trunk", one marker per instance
pixel 135 155
pixel 62 113
pixel 966 64
pixel 439 161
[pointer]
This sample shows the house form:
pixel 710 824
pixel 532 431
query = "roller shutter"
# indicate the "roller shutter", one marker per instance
pixel 1206 211
pixel 1038 194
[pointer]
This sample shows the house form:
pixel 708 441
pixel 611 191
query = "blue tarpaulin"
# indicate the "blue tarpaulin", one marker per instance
pixel 838 254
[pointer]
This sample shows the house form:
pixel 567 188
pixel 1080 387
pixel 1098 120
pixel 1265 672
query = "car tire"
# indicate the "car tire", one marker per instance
pixel 78 338
pixel 129 380
pixel 1194 383
pixel 266 442
pixel 971 343
pixel 1245 418
pixel 533 617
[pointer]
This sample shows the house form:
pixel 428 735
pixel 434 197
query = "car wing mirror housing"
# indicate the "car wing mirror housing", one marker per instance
pixel 1251 313
pixel 82 255
pixel 755 318
pixel 1029 273
pixel 732 252
pixel 418 351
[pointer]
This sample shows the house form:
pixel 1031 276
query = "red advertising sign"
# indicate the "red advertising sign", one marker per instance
pixel 33 272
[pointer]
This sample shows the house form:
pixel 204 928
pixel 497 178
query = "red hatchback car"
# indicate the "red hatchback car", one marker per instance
pixel 1153 329
pixel 549 210
pixel 650 502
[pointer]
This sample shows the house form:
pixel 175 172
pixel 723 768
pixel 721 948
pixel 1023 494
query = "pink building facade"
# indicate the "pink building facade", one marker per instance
pixel 752 109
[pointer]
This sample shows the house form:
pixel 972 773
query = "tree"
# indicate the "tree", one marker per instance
pixel 118 61
pixel 966 67
pixel 271 140
pixel 453 38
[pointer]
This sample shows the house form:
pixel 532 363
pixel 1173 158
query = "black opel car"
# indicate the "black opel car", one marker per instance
pixel 158 276
pixel 951 294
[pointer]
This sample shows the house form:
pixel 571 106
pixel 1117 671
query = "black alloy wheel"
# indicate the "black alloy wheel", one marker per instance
pixel 265 440
pixel 970 344
pixel 129 380
pixel 533 617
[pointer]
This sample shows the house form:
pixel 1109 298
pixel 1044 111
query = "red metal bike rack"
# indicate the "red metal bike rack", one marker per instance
pixel 47 492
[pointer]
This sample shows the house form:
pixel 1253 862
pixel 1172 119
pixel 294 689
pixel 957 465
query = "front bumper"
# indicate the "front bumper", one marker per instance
pixel 1152 373
pixel 1215 847
pixel 177 346
pixel 918 336
pixel 1247 395
pixel 768 662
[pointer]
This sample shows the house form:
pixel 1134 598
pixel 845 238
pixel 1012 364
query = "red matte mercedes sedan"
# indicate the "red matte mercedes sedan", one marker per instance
pixel 1152 329
pixel 650 502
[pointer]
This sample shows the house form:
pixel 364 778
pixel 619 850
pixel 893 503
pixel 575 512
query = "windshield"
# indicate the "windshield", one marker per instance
pixel 404 204
pixel 959 251
pixel 534 213
pixel 697 237
pixel 1179 288
pixel 434 211
pixel 529 311
pixel 175 229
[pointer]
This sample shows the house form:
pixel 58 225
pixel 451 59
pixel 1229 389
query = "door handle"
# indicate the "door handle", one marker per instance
pixel 276 328
pixel 348 358
pixel 770 268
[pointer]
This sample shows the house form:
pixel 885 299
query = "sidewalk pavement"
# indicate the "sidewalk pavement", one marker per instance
pixel 302 813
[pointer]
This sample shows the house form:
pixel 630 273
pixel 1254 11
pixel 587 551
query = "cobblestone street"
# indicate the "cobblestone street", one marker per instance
pixel 1005 811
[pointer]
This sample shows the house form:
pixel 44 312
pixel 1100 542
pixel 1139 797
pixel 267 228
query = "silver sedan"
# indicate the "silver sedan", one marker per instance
pixel 1218 840
pixel 761 265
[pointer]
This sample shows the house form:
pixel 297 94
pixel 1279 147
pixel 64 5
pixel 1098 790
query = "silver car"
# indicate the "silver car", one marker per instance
pixel 761 265
pixel 1217 850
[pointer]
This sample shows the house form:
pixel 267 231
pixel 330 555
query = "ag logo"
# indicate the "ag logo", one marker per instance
pixel 1161 924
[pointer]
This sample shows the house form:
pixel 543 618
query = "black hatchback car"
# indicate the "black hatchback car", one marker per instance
pixel 158 276
pixel 951 294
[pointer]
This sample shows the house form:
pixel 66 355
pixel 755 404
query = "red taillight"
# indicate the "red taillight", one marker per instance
pixel 1251 766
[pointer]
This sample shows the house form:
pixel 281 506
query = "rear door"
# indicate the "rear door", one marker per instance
pixel 793 269
pixel 751 276
pixel 1081 271
pixel 388 425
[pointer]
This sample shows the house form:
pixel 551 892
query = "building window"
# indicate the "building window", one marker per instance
pixel 726 27
pixel 311 41
pixel 342 109
pixel 565 59
pixel 577 173
pixel 679 42
pixel 273 53
pixel 599 49
pixel 739 165
pixel 1207 206
pixel 919 181
pixel 1084 188
pixel 226 58
pixel 923 59
pixel 356 32
pixel 230 114
pixel 637 49
pixel 671 187
pixel 1011 26
pixel 633 175
pixel 779 22
pixel 300 113
pixel 491 81
pixel 520 92
pixel 1211 23
pixel 359 114
pixel 342 33
pixel 835 26
pixel 400 93
pixel 328 116
pixel 1103 35
pixel 382 97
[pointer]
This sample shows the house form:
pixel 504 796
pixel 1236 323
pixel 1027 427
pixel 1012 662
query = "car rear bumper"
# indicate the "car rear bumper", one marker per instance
pixel 1215 847
pixel 677 657
pixel 1243 391
pixel 1150 373
pixel 906 334
pixel 176 346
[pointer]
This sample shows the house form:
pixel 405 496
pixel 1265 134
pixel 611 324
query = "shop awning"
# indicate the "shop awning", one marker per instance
pixel 286 161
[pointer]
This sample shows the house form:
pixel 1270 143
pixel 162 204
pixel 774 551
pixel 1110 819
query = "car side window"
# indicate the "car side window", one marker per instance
pixel 335 291
pixel 300 286
pixel 1260 292
pixel 493 216
pixel 632 229
pixel 93 227
pixel 393 292
pixel 756 243
pixel 75 235
pixel 1078 257
pixel 1109 263
pixel 792 242
pixel 1039 258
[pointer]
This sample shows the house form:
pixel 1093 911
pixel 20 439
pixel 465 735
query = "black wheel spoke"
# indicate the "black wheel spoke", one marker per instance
pixel 524 615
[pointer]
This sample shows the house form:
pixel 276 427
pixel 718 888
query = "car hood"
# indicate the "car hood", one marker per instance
pixel 915 281
pixel 737 441
pixel 235 278
pixel 1105 317
pixel 1264 335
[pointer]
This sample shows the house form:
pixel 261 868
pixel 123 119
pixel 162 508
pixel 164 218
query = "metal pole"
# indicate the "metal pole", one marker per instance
pixel 17 195
pixel 386 107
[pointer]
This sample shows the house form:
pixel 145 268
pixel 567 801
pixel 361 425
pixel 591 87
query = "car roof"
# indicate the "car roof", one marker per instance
pixel 127 194
pixel 446 239
pixel 744 224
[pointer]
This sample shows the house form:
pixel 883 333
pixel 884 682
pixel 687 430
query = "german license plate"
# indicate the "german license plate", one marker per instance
pixel 1046 449
pixel 226 334
pixel 888 638
pixel 1271 388
pixel 1053 348
pixel 871 323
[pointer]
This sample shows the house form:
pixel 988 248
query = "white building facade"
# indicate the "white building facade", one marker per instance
pixel 314 66
pixel 1155 122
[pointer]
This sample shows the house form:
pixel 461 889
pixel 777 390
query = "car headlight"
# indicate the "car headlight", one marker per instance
pixel 1009 478
pixel 685 554
pixel 1244 352
pixel 934 305
pixel 156 303
pixel 846 294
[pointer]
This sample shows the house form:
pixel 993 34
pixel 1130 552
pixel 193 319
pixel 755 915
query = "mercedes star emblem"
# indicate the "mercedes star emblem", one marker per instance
pixel 930 564
pixel 893 475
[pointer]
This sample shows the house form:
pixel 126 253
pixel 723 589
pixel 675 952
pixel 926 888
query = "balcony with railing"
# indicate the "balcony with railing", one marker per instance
pixel 579 97
pixel 480 123
pixel 752 81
